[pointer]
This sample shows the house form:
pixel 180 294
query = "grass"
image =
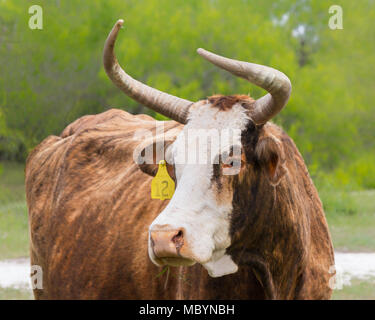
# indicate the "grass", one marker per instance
pixel 14 232
pixel 15 294
pixel 350 215
pixel 359 290
pixel 351 218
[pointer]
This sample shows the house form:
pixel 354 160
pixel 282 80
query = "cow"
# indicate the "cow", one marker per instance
pixel 248 225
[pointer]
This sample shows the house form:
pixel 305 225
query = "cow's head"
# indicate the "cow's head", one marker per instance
pixel 233 143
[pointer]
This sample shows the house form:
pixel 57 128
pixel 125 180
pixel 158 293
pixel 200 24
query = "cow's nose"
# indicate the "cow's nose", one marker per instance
pixel 167 243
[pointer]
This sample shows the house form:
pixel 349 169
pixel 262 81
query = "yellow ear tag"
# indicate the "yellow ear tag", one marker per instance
pixel 162 185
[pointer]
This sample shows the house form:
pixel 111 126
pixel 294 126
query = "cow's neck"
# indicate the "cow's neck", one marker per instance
pixel 268 232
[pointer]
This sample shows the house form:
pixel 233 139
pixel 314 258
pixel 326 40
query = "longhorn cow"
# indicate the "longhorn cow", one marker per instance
pixel 248 225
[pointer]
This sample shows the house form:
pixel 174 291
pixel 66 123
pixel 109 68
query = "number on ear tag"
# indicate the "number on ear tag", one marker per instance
pixel 162 185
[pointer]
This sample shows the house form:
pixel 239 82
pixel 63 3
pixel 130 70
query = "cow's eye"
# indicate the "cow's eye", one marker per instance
pixel 228 165
pixel 232 163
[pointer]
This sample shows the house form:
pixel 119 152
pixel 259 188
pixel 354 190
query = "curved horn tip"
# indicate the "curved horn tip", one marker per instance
pixel 202 52
pixel 119 23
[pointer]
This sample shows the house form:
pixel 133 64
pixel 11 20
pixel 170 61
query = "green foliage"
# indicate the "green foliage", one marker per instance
pixel 52 76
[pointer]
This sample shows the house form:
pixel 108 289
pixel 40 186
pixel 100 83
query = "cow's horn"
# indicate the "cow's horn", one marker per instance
pixel 164 103
pixel 275 82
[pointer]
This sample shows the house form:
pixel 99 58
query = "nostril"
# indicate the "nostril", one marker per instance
pixel 178 239
pixel 179 234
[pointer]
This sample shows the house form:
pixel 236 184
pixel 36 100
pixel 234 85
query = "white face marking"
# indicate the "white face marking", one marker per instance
pixel 222 266
pixel 195 206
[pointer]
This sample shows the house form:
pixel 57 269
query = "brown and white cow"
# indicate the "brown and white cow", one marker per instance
pixel 255 232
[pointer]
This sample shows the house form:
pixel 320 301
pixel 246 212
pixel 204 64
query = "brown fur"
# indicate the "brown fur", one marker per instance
pixel 280 220
pixel 226 102
pixel 90 208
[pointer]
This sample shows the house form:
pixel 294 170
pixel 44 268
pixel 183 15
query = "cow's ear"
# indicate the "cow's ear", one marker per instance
pixel 153 154
pixel 270 154
pixel 149 155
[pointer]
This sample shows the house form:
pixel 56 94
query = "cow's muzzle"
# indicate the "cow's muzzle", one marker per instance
pixel 169 246
pixel 167 243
